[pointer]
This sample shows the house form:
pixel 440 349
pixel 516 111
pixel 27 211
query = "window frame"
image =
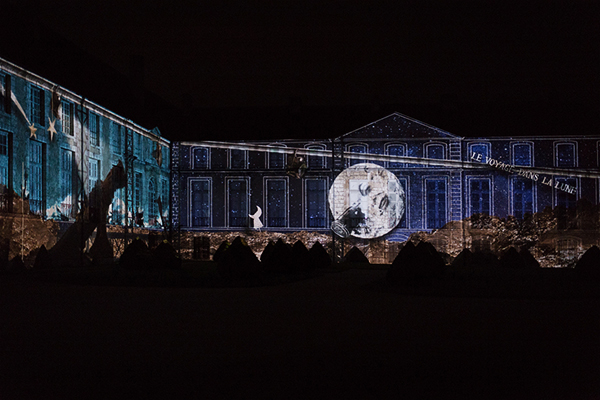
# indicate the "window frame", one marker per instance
pixel 267 196
pixel 228 181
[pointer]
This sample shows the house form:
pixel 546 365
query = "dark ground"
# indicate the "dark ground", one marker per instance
pixel 337 335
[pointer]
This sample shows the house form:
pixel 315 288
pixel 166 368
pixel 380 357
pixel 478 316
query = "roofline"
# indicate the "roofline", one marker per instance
pixel 406 117
pixel 46 84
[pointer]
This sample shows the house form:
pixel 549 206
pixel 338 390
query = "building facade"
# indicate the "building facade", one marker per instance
pixel 441 178
pixel 55 146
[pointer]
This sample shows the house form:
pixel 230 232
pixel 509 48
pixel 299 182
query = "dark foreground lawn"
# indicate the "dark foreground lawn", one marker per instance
pixel 335 335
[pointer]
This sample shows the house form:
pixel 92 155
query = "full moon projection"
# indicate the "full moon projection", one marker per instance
pixel 367 201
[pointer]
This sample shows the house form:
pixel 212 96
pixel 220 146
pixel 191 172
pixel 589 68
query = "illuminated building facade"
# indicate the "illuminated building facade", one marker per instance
pixel 442 178
pixel 56 145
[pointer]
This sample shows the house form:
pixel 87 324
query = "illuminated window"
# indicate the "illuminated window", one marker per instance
pixel 522 154
pixel 563 198
pixel 316 162
pixel 435 150
pixel 200 157
pixel 115 140
pixel 138 146
pixel 479 148
pixel 164 198
pixel 3 144
pixel 522 192
pixel 356 148
pixel 67 118
pixel 436 203
pixel 276 160
pixel 94 129
pixel 137 193
pixel 276 203
pixel 200 207
pixel 403 222
pixel 480 196
pixel 5 88
pixel 37 109
pixel 238 202
pixel 93 173
pixel 66 181
pixel 396 150
pixel 237 159
pixel 152 206
pixel 35 179
pixel 316 203
pixel 565 155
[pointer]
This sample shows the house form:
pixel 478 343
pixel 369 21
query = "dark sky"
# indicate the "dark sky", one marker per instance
pixel 443 60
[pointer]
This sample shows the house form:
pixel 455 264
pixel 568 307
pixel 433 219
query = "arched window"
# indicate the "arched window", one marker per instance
pixel 276 160
pixel 565 155
pixel 152 213
pixel 316 162
pixel 200 157
pixel 435 150
pixel 522 154
pixel 396 149
pixel 356 148
pixel 475 149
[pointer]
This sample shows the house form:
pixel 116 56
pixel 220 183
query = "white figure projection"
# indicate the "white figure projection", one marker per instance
pixel 256 218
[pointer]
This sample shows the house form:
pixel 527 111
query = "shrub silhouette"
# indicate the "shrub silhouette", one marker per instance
pixel 137 256
pixel 238 262
pixel 301 261
pixel 280 259
pixel 220 250
pixel 319 256
pixel 512 259
pixel 529 259
pixel 267 251
pixel 355 256
pixel 16 265
pixel 588 266
pixel 166 256
pixel 42 259
pixel 415 265
pixel 462 265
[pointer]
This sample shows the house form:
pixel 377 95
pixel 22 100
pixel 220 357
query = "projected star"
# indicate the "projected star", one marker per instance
pixel 32 130
pixel 51 128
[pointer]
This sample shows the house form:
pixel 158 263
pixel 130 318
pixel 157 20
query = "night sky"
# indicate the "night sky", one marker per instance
pixel 259 69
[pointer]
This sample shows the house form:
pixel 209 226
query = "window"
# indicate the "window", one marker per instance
pixel 316 203
pixel 36 173
pixel 5 89
pixel 479 194
pixel 479 148
pixel 152 206
pixel 118 207
pixel 565 155
pixel 435 150
pixel 3 144
pixel 276 203
pixel 563 198
pixel 238 202
pixel 66 181
pixel 37 106
pixel 67 118
pixel 356 148
pixel 93 173
pixel 4 163
pixel 137 195
pixel 237 159
pixel 276 160
pixel 200 157
pixel 522 154
pixel 164 197
pixel 436 203
pixel 200 207
pixel 115 140
pixel 396 150
pixel 316 162
pixel 94 129
pixel 403 222
pixel 137 145
pixel 522 192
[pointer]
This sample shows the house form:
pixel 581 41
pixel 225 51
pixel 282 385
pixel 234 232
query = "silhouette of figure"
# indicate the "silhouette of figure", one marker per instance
pixel 256 218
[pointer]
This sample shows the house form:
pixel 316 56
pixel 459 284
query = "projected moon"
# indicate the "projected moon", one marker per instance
pixel 367 201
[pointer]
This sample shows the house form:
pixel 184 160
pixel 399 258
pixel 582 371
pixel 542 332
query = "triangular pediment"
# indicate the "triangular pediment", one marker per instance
pixel 398 126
